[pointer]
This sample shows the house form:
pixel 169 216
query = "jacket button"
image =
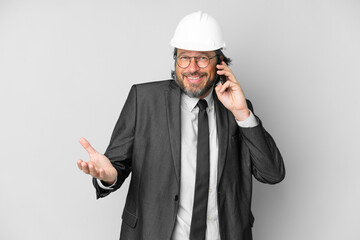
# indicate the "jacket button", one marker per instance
pixel 176 197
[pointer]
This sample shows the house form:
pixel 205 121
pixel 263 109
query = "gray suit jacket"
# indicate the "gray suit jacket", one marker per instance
pixel 146 142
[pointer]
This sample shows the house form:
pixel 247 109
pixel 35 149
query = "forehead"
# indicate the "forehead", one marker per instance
pixel 194 53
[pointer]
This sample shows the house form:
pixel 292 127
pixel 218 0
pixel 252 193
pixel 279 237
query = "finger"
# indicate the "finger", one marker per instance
pixel 79 161
pixel 101 174
pixel 224 71
pixel 217 88
pixel 228 74
pixel 225 74
pixel 219 91
pixel 86 145
pixel 225 86
pixel 220 66
pixel 85 167
pixel 93 171
pixel 223 65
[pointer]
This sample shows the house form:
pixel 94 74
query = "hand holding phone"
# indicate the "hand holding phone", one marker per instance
pixel 230 93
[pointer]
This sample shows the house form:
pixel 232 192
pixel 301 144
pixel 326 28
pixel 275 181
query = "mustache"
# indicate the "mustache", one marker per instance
pixel 194 74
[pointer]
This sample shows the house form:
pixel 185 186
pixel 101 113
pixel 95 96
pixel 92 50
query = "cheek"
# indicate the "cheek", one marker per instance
pixel 178 72
pixel 212 73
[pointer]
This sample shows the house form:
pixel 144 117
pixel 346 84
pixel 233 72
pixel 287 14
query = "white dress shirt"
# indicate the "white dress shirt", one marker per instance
pixel 189 129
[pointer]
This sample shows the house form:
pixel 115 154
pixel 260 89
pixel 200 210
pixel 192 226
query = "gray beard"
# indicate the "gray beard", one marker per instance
pixel 195 94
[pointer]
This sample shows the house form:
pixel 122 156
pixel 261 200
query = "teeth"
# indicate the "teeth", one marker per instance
pixel 193 78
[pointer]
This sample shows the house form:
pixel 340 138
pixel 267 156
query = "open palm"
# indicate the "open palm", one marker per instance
pixel 99 166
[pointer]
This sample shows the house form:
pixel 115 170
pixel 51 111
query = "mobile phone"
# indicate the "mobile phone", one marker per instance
pixel 220 78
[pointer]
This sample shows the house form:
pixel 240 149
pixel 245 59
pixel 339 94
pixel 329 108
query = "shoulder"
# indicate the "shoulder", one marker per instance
pixel 153 91
pixel 155 86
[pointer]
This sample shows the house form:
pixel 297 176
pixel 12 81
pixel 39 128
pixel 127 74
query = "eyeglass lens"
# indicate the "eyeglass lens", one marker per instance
pixel 201 61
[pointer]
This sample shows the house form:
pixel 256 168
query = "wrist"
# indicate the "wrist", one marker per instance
pixel 107 183
pixel 241 115
pixel 111 178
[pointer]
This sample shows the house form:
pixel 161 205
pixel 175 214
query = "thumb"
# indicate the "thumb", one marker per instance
pixel 218 87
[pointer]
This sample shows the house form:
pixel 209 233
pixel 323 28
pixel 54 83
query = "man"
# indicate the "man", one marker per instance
pixel 192 145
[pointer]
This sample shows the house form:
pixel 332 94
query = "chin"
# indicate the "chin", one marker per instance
pixel 199 92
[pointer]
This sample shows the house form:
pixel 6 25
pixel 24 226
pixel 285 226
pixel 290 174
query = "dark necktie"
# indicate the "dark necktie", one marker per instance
pixel 198 220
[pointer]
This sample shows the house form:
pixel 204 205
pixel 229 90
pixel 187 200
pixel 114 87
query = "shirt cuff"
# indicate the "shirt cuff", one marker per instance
pixel 251 121
pixel 105 187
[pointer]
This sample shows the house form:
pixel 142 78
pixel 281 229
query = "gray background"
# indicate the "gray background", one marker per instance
pixel 66 68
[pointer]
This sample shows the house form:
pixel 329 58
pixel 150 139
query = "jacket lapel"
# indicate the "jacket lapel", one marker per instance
pixel 173 98
pixel 222 125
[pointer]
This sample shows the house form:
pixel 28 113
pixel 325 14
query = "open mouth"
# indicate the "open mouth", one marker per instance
pixel 194 79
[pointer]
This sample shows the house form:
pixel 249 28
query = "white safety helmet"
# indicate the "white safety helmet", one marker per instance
pixel 198 32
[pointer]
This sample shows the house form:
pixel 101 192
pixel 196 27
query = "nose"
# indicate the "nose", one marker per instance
pixel 193 67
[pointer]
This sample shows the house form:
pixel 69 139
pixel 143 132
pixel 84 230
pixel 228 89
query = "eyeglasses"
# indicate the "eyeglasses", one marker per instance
pixel 202 61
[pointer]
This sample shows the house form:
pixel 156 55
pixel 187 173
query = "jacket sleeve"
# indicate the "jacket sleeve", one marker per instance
pixel 120 149
pixel 266 160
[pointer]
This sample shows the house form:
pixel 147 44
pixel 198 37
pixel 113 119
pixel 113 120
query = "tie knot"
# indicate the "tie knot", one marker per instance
pixel 202 104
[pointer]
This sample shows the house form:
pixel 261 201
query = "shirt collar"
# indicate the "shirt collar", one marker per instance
pixel 190 102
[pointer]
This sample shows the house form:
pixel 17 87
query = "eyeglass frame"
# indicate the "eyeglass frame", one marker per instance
pixel 196 61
